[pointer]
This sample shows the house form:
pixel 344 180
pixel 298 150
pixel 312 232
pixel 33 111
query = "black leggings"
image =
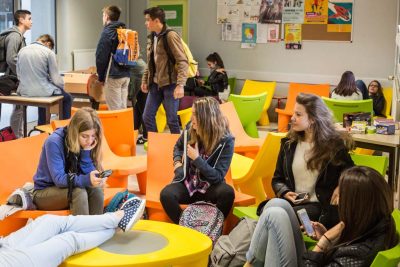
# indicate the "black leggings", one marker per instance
pixel 222 195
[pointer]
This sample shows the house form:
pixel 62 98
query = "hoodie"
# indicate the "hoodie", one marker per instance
pixel 51 169
pixel 107 45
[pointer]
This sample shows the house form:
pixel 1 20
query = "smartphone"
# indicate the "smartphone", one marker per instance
pixel 305 221
pixel 300 198
pixel 104 174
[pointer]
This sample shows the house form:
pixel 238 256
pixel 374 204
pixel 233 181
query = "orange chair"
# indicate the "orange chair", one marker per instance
pixel 160 173
pixel 122 166
pixel 284 115
pixel 118 130
pixel 18 163
pixel 244 144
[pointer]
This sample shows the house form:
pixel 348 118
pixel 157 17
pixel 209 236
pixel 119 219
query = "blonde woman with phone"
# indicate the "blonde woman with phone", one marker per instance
pixel 66 177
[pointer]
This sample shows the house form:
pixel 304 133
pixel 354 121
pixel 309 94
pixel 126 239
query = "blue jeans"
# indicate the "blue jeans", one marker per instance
pixel 67 104
pixel 277 240
pixel 156 96
pixel 50 239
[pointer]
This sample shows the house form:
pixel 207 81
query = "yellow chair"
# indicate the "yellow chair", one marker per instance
pixel 185 116
pixel 388 95
pixel 254 88
pixel 253 177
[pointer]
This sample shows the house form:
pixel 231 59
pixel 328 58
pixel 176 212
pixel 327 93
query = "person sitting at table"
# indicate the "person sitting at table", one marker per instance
pixel 311 158
pixel 39 77
pixel 347 89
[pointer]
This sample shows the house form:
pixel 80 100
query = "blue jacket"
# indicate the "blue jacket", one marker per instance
pixel 51 169
pixel 108 44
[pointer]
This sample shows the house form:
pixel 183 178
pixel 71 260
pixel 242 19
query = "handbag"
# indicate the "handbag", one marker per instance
pixel 7 134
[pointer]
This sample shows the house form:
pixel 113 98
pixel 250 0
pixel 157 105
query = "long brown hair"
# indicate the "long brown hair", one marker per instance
pixel 380 91
pixel 212 125
pixel 83 120
pixel 327 140
pixel 365 198
pixel 347 85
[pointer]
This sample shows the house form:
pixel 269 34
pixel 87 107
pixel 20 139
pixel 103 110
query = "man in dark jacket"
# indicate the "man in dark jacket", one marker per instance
pixel 114 77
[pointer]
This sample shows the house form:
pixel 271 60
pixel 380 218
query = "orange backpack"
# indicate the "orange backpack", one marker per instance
pixel 128 47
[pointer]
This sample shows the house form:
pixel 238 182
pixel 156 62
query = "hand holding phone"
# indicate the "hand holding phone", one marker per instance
pixel 305 221
pixel 300 198
pixel 104 174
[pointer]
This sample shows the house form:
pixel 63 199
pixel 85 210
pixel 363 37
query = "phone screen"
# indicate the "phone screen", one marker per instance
pixel 305 220
pixel 301 196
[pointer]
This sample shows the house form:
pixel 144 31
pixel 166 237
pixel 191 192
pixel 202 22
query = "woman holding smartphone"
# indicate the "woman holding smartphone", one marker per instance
pixel 69 164
pixel 365 227
pixel 311 158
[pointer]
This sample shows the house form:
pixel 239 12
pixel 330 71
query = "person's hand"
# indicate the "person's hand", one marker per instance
pixel 193 153
pixel 200 82
pixel 335 196
pixel 330 238
pixel 144 88
pixel 101 83
pixel 319 230
pixel 179 92
pixel 91 146
pixel 291 196
pixel 96 181
pixel 177 165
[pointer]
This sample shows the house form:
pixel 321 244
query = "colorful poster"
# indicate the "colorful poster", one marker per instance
pixel 316 12
pixel 293 11
pixel 293 36
pixel 249 35
pixel 340 16
pixel 271 11
pixel 273 33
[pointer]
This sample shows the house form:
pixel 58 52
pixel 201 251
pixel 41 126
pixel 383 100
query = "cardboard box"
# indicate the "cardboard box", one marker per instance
pixel 348 118
pixel 84 82
pixel 385 129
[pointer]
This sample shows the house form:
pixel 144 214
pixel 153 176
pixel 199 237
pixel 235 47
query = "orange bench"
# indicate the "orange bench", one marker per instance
pixel 18 163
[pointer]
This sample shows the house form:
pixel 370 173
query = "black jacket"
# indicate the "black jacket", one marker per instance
pixel 108 44
pixel 378 104
pixel 359 252
pixel 212 170
pixel 327 181
pixel 218 81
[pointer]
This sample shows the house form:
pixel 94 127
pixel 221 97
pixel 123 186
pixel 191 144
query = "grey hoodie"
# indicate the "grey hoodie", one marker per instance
pixel 13 43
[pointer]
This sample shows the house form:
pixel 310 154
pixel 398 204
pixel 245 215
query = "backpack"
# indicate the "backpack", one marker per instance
pixel 7 134
pixel 3 52
pixel 128 47
pixel 230 250
pixel 118 200
pixel 193 65
pixel 203 217
pixel 8 84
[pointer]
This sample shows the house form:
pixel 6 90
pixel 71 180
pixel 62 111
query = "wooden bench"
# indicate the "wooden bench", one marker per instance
pixel 18 163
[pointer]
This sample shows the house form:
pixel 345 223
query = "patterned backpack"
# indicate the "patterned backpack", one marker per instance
pixel 128 48
pixel 203 217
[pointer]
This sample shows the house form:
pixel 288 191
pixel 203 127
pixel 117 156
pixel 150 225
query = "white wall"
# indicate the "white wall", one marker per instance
pixel 79 24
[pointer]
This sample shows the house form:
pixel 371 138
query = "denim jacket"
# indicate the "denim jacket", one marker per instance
pixel 212 170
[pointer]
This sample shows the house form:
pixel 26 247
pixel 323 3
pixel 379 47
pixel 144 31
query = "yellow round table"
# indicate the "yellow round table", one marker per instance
pixel 150 243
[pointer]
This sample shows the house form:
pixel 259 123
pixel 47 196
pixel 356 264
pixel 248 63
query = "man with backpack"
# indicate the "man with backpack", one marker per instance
pixel 11 41
pixel 113 76
pixel 163 80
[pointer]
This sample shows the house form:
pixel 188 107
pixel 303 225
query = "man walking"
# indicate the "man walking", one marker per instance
pixel 163 80
pixel 114 77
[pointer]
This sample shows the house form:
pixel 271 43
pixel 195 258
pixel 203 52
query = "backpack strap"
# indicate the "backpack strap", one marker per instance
pixel 171 58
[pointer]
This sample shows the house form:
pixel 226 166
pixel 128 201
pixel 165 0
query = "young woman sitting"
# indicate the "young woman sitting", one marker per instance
pixel 347 89
pixel 311 159
pixel 365 228
pixel 209 152
pixel 376 94
pixel 70 159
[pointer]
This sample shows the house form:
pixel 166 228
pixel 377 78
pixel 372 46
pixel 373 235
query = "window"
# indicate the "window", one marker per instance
pixel 6 14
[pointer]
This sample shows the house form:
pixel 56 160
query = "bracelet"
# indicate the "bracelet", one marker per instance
pixel 327 238
pixel 321 248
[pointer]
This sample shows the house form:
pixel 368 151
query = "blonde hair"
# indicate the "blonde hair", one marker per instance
pixel 212 125
pixel 85 119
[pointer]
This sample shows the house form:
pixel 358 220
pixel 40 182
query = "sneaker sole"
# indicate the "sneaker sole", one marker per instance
pixel 137 216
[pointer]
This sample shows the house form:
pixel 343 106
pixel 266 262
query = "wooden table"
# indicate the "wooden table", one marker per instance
pixel 385 143
pixel 43 102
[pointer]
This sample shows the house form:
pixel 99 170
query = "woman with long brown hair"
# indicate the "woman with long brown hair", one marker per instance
pixel 365 228
pixel 70 159
pixel 311 159
pixel 201 174
pixel 347 88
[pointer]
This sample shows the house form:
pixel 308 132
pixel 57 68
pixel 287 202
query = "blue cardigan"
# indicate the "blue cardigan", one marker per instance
pixel 51 169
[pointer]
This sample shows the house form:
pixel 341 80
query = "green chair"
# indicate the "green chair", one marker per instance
pixel 339 107
pixel 232 84
pixel 390 257
pixel 249 109
pixel 378 163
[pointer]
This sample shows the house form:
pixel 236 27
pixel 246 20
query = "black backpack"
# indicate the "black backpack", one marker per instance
pixel 8 84
pixel 3 52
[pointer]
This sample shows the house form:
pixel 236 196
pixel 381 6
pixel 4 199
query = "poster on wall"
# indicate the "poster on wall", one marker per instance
pixel 340 15
pixel 273 33
pixel 238 11
pixel 293 36
pixel 316 12
pixel 293 11
pixel 262 33
pixel 174 17
pixel 249 35
pixel 271 11
pixel 232 32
